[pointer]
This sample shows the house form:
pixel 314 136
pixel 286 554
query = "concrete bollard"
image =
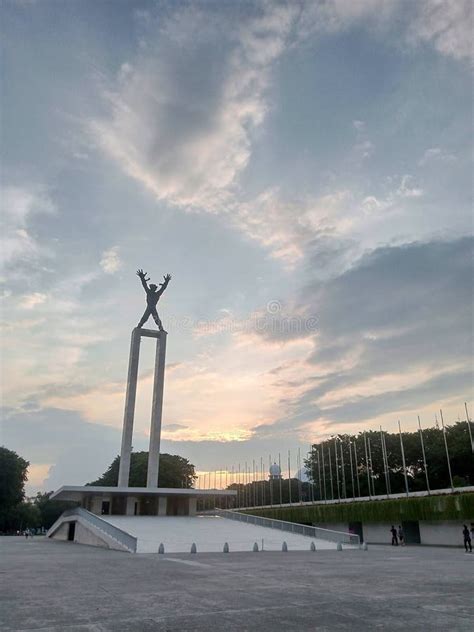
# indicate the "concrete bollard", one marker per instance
pixel 339 546
pixel 255 548
pixel 161 549
pixel 193 548
pixel 284 547
pixel 226 548
pixel 312 546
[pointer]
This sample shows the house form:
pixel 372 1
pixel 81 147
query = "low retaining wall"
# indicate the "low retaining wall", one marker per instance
pixel 430 520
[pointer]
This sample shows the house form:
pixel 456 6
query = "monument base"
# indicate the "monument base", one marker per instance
pixel 138 501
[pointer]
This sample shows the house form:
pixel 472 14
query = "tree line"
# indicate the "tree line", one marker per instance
pixel 17 512
pixel 369 463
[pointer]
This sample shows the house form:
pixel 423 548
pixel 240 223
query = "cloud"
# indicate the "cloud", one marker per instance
pixel 76 451
pixel 394 332
pixel 182 120
pixel 19 205
pixel 174 427
pixel 288 227
pixel 110 261
pixel 407 189
pixel 182 115
pixel 446 24
pixel 55 442
pixel 29 301
pixel 436 154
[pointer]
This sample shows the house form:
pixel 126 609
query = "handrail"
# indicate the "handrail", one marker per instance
pixel 293 527
pixel 122 537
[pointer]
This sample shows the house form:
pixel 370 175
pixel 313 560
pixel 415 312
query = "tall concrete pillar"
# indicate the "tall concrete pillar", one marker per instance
pixel 129 412
pixel 156 411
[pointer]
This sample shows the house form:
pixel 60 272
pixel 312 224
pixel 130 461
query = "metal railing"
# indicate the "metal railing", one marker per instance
pixel 293 527
pixel 127 541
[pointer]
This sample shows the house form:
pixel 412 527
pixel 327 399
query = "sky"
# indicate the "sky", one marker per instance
pixel 302 169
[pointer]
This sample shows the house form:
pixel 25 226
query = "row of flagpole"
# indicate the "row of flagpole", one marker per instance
pixel 248 477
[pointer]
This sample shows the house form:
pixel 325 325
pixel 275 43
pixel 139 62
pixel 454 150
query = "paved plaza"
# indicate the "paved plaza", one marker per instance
pixel 50 586
pixel 209 533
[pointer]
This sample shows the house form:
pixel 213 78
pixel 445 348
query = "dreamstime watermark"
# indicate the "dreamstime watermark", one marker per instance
pixel 273 321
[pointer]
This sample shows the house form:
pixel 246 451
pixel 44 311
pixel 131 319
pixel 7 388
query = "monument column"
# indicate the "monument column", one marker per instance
pixel 129 412
pixel 156 411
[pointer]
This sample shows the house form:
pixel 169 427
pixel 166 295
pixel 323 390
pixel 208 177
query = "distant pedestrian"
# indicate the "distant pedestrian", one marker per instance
pixel 472 530
pixel 467 539
pixel 27 533
pixel 393 531
pixel 401 536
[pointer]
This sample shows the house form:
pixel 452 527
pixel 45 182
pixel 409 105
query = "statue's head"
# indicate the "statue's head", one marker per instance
pixel 152 286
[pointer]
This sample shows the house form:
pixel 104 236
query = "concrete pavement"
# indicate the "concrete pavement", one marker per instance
pixel 52 586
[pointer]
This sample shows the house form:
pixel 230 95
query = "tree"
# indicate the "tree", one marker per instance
pixel 13 475
pixel 175 471
pixel 371 470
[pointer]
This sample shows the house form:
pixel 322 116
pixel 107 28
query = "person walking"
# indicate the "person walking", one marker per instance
pixel 401 536
pixel 467 539
pixel 393 531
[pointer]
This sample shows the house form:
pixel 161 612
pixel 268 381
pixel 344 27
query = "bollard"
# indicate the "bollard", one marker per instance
pixel 226 548
pixel 255 548
pixel 312 546
pixel 339 546
pixel 193 548
pixel 161 549
pixel 284 547
pixel 365 547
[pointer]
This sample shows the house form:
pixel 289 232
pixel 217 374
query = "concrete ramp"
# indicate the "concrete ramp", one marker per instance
pixel 209 533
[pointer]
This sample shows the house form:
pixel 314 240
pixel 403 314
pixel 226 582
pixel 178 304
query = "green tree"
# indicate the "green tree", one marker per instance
pixel 13 475
pixel 23 516
pixel 175 471
pixel 372 472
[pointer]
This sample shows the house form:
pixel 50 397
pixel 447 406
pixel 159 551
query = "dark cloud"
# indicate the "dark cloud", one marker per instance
pixel 77 450
pixel 174 427
pixel 398 310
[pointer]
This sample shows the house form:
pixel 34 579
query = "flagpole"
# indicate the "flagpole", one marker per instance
pixel 289 476
pixel 352 471
pixel 344 492
pixel 367 464
pixel 388 467
pixel 330 471
pixel 403 459
pixel 356 466
pixel 270 479
pixel 424 456
pixel 385 464
pixel 469 427
pixel 447 451
pixel 319 476
pixel 279 465
pixel 337 469
pixel 324 473
pixel 371 466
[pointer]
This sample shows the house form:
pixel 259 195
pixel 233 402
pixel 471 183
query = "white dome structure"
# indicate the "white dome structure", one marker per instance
pixel 275 471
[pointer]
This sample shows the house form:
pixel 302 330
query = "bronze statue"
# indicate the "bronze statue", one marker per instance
pixel 152 298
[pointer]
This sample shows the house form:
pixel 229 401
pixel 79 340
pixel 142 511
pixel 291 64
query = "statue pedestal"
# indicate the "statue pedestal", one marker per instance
pixel 156 408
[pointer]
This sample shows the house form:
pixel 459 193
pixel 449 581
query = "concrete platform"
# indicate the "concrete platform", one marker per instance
pixel 50 586
pixel 208 532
